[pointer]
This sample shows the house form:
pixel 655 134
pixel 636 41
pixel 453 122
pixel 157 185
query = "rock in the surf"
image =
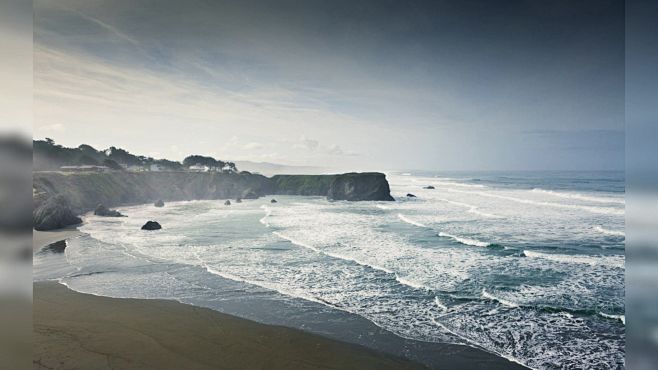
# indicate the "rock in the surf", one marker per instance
pixel 151 225
pixel 101 210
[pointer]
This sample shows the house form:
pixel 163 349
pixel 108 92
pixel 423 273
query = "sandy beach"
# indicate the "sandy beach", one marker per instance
pixel 41 239
pixel 80 331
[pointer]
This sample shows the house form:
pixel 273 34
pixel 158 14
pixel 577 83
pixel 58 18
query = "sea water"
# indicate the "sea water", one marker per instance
pixel 528 265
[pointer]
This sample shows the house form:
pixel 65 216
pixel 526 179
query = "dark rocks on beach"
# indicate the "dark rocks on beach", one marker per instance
pixel 359 186
pixel 54 213
pixel 429 187
pixel 159 203
pixel 101 210
pixel 151 225
pixel 56 247
pixel 409 195
pixel 227 203
pixel 273 201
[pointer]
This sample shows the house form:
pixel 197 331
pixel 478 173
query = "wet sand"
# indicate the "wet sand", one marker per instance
pixel 81 331
pixel 41 239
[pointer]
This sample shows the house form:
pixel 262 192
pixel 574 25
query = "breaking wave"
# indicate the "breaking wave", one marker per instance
pixel 466 241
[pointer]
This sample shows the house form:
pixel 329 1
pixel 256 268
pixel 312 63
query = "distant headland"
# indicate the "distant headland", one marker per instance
pixel 69 182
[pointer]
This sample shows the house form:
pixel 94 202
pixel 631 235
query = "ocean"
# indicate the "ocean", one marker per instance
pixel 526 265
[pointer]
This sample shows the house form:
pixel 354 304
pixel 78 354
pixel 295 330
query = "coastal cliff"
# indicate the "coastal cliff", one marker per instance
pixel 82 192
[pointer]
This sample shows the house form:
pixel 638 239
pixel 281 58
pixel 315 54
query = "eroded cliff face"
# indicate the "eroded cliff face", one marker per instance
pixel 359 186
pixel 82 192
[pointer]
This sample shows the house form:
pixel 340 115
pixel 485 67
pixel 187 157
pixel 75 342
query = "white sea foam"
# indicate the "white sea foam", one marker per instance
pixel 621 318
pixel 578 196
pixel 609 232
pixel 333 255
pixel 471 208
pixel 502 301
pixel 268 213
pixel 466 241
pixel 612 261
pixel 440 304
pixel 410 283
pixel 409 221
pixel 361 245
pixel 592 209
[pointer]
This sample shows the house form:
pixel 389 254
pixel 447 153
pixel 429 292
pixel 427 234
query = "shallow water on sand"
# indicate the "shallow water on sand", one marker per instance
pixel 528 266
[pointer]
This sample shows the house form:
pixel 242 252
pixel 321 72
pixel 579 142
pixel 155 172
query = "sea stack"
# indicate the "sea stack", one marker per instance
pixel 103 211
pixel 151 225
pixel 273 201
pixel 227 203
pixel 54 213
pixel 159 203
pixel 359 186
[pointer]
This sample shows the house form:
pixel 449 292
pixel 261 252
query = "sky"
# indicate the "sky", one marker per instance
pixel 362 85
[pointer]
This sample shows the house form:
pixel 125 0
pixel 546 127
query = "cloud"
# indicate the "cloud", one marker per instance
pixel 335 150
pixel 253 146
pixel 113 30
pixel 307 144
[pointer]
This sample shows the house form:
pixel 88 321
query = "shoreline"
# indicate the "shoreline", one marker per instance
pixel 431 355
pixel 76 330
pixel 41 239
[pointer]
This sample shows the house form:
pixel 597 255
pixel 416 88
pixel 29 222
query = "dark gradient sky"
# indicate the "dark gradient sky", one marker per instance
pixel 492 85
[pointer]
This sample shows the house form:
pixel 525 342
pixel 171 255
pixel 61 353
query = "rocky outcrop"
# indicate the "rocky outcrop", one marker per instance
pixel 151 225
pixel 82 192
pixel 159 203
pixel 359 186
pixel 273 201
pixel 349 186
pixel 227 203
pixel 429 187
pixel 409 195
pixel 56 247
pixel 101 210
pixel 54 213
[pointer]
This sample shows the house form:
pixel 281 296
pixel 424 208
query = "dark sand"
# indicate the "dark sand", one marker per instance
pixel 81 331
pixel 41 239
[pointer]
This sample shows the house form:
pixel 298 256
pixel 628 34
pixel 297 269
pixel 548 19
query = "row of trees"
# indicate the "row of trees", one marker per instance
pixel 48 155
pixel 210 162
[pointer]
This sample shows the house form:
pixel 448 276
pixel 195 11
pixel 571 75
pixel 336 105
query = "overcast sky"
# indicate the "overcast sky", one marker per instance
pixel 471 85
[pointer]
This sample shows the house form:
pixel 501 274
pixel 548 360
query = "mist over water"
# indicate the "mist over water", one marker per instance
pixel 528 266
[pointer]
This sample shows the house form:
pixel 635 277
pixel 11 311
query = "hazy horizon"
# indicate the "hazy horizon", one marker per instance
pixel 394 85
